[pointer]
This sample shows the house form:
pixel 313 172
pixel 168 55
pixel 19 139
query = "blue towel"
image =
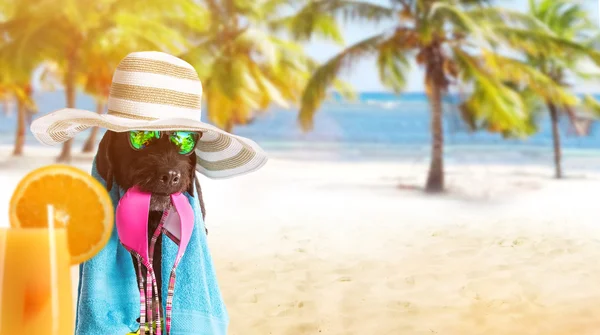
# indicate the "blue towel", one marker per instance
pixel 108 300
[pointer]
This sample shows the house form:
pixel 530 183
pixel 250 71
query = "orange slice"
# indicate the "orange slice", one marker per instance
pixel 81 205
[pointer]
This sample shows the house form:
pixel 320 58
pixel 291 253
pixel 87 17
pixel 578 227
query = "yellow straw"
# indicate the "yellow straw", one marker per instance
pixel 53 271
pixel 3 238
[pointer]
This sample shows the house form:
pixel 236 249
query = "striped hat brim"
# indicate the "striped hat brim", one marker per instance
pixel 219 153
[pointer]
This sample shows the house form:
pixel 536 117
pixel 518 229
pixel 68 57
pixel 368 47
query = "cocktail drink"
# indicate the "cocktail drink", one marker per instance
pixel 35 282
pixel 60 216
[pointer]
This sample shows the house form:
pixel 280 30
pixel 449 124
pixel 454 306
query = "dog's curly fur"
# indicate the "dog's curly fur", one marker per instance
pixel 117 161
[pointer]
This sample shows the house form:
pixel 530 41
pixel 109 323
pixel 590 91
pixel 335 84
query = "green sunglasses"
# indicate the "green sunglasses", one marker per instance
pixel 185 141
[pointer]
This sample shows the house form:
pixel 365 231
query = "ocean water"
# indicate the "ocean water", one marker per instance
pixel 375 126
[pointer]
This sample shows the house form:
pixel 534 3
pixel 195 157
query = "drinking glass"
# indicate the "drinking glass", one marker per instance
pixel 35 281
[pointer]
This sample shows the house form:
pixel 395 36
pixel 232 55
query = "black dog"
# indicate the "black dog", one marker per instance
pixel 158 169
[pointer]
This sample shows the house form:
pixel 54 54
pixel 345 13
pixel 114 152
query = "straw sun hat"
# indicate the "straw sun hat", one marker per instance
pixel 157 91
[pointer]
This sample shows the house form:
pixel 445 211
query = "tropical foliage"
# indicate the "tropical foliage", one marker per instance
pixel 458 43
pixel 15 85
pixel 75 33
pixel 569 21
pixel 244 61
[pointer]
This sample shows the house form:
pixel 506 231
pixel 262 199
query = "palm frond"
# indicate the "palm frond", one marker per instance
pixel 578 68
pixel 393 63
pixel 268 90
pixel 250 9
pixel 522 74
pixel 290 74
pixel 505 16
pixel 203 53
pixel 344 89
pixel 219 107
pixel 539 44
pixel 565 18
pixel 478 3
pixel 591 104
pixel 357 10
pixel 318 18
pixel 258 43
pixel 442 12
pixel 594 41
pixel 324 76
pixel 154 33
pixel 304 26
pixel 492 102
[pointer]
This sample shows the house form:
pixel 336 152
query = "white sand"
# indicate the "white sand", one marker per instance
pixel 337 248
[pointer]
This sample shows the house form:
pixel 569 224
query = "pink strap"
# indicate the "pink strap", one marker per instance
pixel 186 219
pixel 142 297
pixel 132 227
pixel 149 300
pixel 151 274
pixel 170 294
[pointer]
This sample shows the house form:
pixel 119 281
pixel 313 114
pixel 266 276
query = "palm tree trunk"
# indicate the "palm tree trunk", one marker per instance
pixel 229 126
pixel 20 133
pixel 90 144
pixel 435 178
pixel 556 139
pixel 65 154
pixel 5 107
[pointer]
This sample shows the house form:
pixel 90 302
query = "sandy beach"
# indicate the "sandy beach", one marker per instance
pixel 338 248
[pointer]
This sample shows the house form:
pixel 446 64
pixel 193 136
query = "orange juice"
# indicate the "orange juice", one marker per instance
pixel 35 282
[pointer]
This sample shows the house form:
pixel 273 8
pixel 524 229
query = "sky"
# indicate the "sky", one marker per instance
pixel 364 77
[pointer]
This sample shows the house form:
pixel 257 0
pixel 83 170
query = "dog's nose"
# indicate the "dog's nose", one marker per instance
pixel 171 178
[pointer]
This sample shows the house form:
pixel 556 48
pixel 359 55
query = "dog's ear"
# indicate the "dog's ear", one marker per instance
pixel 194 182
pixel 200 198
pixel 103 159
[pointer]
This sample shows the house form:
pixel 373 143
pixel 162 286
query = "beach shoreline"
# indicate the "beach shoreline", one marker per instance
pixel 325 247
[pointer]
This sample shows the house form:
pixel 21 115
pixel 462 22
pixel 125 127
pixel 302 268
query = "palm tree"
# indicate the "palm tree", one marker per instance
pixel 22 93
pixel 455 41
pixel 569 21
pixel 15 84
pixel 25 105
pixel 5 100
pixel 244 65
pixel 97 85
pixel 64 31
pixel 90 143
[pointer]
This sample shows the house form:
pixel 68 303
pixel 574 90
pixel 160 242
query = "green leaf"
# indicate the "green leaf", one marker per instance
pixel 393 64
pixel 520 73
pixel 505 16
pixel 491 101
pixel 259 43
pixel 325 75
pixel 317 18
pixel 592 105
pixel 442 12
pixel 269 89
pixel 152 32
pixel 538 44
